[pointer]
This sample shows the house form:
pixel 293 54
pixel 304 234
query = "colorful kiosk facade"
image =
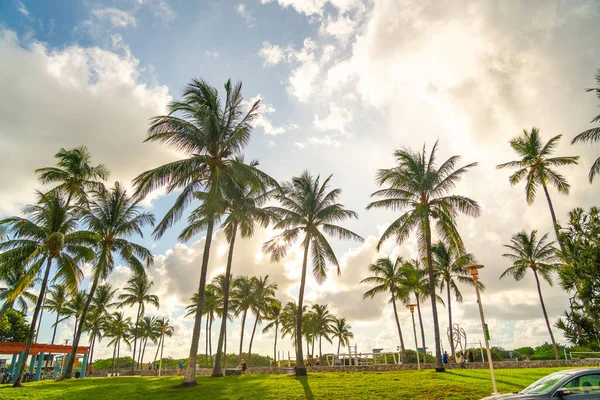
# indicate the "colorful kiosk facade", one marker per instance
pixel 37 353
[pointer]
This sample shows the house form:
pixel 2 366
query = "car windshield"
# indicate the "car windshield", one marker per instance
pixel 544 385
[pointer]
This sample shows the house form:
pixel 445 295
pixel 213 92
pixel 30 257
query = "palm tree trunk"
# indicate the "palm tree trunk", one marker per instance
pixel 275 345
pixel 251 339
pixel 135 334
pixel 554 222
pixel 339 344
pixel 422 330
pixel 55 326
pixel 112 369
pixel 118 353
pixel 320 350
pixel 75 329
pixel 139 355
pixel 143 353
pixel 217 370
pixel 436 326
pixel 34 320
pixel 37 332
pixel 225 350
pixel 206 343
pixel 300 368
pixel 190 373
pixel 210 340
pixel 537 281
pixel 92 346
pixel 402 348
pixel 242 335
pixel 158 348
pixel 79 323
pixel 452 350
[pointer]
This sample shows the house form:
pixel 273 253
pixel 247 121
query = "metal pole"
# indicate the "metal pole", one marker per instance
pixel 416 344
pixel 487 344
pixel 481 347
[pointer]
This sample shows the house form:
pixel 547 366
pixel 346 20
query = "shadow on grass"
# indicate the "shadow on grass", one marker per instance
pixel 483 378
pixel 308 394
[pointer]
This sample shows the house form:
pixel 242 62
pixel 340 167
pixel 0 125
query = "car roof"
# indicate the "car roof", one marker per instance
pixel 581 370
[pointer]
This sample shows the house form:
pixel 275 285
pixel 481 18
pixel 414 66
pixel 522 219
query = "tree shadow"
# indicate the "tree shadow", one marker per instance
pixel 308 394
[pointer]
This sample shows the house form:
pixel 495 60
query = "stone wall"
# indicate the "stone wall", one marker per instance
pixel 376 367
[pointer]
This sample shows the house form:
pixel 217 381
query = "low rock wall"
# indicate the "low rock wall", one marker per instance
pixel 375 367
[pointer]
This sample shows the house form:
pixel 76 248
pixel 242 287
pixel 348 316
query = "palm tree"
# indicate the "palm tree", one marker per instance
pixel 138 293
pixel 309 331
pixel 308 209
pixel 526 252
pixel 74 308
pixel 213 133
pixel 113 216
pixel 118 330
pixel 74 174
pixel 414 281
pixel 56 302
pixel 149 330
pixel 221 286
pixel 241 300
pixel 591 135
pixel 166 329
pixel 449 272
pixel 422 189
pixel 263 295
pixel 47 237
pixel 101 303
pixel 340 330
pixel 11 278
pixel 535 166
pixel 211 303
pixel 288 320
pixel 273 315
pixel 324 321
pixel 386 278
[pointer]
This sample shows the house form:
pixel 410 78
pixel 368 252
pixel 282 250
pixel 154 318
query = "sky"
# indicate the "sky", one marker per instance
pixel 342 84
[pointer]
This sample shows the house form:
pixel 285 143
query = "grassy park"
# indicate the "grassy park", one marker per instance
pixel 455 384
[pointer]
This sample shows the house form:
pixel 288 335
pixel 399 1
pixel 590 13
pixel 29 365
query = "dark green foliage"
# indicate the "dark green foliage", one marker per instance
pixel 124 362
pixel 546 352
pixel 13 327
pixel 523 352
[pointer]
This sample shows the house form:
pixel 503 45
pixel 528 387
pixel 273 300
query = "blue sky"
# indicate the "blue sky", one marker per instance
pixel 343 83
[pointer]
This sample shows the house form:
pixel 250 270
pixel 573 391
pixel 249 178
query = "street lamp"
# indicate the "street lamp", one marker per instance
pixel 412 313
pixel 473 269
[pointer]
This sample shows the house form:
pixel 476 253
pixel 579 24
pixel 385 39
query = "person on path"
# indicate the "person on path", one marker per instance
pixel 460 360
pixel 180 368
pixel 90 370
pixel 470 356
pixel 445 359
pixel 242 365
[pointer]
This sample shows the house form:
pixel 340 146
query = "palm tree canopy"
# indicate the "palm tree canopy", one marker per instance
pixel 74 173
pixel 263 295
pixel 75 305
pixel 386 278
pixel 593 134
pixel 57 299
pixel 342 331
pixel 273 315
pixel 419 187
pixel 11 279
pixel 414 279
pixel 241 294
pixel 309 208
pixel 323 320
pixel 448 269
pixel 138 293
pixel 527 252
pixel 536 164
pixel 118 328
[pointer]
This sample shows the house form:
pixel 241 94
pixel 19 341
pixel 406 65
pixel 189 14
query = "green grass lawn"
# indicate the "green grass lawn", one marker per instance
pixel 455 384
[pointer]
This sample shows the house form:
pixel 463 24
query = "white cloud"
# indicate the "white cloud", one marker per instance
pixel 303 77
pixel 262 120
pixel 160 8
pixel 342 27
pixel 58 95
pixel 242 12
pixel 21 8
pixel 323 141
pixel 316 7
pixel 117 18
pixel 337 120
pixel 272 54
pixel 213 54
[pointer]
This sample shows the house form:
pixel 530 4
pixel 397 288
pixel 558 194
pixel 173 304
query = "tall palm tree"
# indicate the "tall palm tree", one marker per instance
pixel 118 330
pixel 449 272
pixel 74 308
pixel 273 316
pixel 47 238
pixel 241 300
pixel 221 286
pixel 527 252
pixel 212 132
pixel 592 135
pixel 536 167
pixel 340 330
pixel 11 279
pixel 166 329
pixel 386 279
pixel 114 217
pixel 138 293
pixel 56 302
pixel 414 280
pixel 324 321
pixel 422 189
pixel 263 296
pixel 308 209
pixel 101 304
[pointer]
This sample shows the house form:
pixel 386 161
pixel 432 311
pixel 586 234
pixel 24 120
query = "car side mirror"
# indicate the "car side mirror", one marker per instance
pixel 562 392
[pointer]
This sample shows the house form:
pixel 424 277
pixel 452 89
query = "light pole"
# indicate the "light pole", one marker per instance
pixel 412 313
pixel 486 333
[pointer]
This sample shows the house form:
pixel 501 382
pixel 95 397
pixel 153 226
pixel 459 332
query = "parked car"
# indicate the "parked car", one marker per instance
pixel 572 384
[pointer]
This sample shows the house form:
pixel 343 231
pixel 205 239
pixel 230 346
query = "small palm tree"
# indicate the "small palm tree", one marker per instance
pixel 324 321
pixel 449 272
pixel 340 330
pixel 223 311
pixel 138 293
pixel 526 252
pixel 308 209
pixel 118 329
pixel 149 330
pixel 386 279
pixel 11 278
pixel 74 308
pixel 56 302
pixel 592 135
pixel 166 329
pixel 48 237
pixel 414 280
pixel 288 320
pixel 101 304
pixel 211 304
pixel 263 296
pixel 422 189
pixel 273 316
pixel 241 300
pixel 536 167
